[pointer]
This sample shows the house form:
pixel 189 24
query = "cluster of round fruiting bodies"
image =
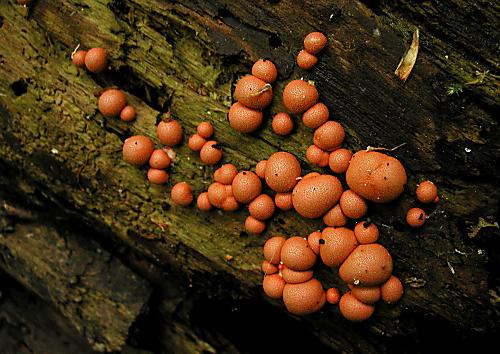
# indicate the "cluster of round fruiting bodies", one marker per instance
pixel 209 150
pixel 426 193
pixel 139 150
pixel 364 265
pixel 112 101
pixel 314 43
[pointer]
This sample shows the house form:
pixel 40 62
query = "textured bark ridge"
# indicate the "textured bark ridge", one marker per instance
pixel 87 233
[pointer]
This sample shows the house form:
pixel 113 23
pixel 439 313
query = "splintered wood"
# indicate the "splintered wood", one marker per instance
pixel 408 60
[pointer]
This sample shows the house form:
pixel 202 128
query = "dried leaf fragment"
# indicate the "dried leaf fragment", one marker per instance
pixel 408 60
pixel 474 230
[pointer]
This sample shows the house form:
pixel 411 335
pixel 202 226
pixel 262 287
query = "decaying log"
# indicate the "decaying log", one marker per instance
pixel 184 58
pixel 99 296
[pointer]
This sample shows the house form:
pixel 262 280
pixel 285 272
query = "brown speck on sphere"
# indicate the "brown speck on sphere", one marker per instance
pixel 329 136
pixel 159 159
pixel 265 70
pixel 426 192
pixel 182 194
pixel 306 60
pixel 203 203
pixel 210 153
pixel 282 124
pixel 196 142
pixel 128 114
pixel 299 96
pixel 169 132
pixel 96 60
pixel 253 92
pixel 246 186
pixel 138 149
pixel 415 217
pixel 157 176
pixel 254 226
pixel 112 102
pixel 316 116
pixel 78 59
pixel 244 119
pixel 205 130
pixel 314 42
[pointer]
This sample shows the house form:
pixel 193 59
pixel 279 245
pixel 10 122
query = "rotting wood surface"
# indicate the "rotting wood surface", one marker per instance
pixel 184 57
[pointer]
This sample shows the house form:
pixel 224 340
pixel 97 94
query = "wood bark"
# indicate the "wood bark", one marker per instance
pixel 183 58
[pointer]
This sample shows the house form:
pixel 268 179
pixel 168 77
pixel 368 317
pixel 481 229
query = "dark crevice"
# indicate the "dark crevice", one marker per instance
pixel 275 41
pixel 1 21
pixel 19 87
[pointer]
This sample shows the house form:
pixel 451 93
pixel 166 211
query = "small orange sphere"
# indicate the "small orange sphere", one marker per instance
pixel 333 296
pixel 128 114
pixel 203 203
pixel 254 226
pixel 137 150
pixel 314 241
pixel 353 206
pixel 366 232
pixel 329 136
pixel 426 192
pixel 323 162
pixel 217 194
pixel 392 290
pixel 156 176
pixel 253 92
pixel 415 217
pixel 159 159
pixel 265 70
pixel 246 186
pixel 260 169
pixel 210 153
pixel 339 160
pixel 196 142
pixel 273 286
pixel 299 96
pixel 306 60
pixel 182 194
pixel 316 116
pixel 169 132
pixel 111 102
pixel 314 42
pixel 96 60
pixel 244 119
pixel 284 201
pixel 262 207
pixel 205 130
pixel 230 204
pixel 225 174
pixel 314 154
pixel 353 309
pixel 78 59
pixel 335 217
pixel 282 124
